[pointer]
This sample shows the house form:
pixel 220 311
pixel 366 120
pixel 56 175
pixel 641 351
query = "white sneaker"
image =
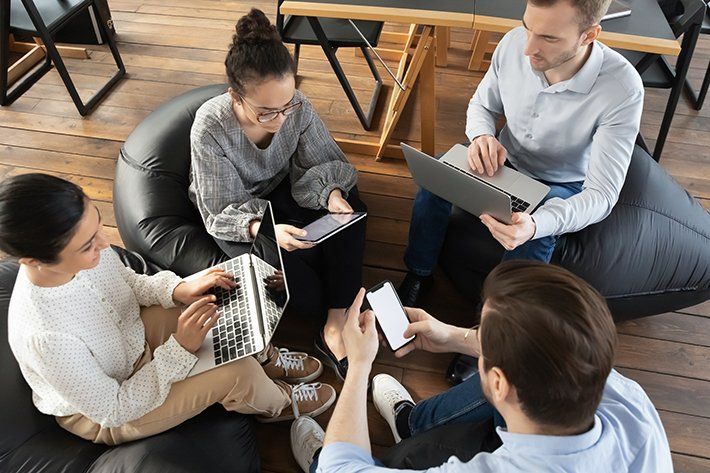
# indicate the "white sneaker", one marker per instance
pixel 306 438
pixel 386 393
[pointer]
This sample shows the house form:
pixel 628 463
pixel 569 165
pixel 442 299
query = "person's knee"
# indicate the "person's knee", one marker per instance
pixel 248 366
pixel 544 243
pixel 428 200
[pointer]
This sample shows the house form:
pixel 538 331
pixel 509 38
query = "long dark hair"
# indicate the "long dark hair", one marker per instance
pixel 257 53
pixel 39 215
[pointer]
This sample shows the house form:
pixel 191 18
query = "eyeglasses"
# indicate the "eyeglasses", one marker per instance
pixel 265 117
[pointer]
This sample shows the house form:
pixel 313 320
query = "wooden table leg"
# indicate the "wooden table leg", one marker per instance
pixel 401 68
pixel 424 48
pixel 480 45
pixel 427 104
pixel 443 39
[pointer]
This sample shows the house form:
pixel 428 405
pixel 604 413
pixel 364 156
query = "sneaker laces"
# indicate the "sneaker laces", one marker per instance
pixel 393 396
pixel 303 392
pixel 290 360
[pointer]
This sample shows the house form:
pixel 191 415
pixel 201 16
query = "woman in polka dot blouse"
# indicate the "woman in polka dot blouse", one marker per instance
pixel 106 350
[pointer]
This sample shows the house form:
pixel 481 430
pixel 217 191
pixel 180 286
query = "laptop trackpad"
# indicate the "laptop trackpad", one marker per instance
pixel 505 178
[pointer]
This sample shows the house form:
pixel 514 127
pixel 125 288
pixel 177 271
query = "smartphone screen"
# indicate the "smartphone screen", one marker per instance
pixel 390 314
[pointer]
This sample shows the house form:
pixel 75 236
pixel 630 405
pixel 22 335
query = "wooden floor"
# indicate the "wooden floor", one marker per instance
pixel 171 46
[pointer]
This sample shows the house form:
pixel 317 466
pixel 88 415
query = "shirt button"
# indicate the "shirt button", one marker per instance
pixel 528 136
pixel 103 299
pixel 535 115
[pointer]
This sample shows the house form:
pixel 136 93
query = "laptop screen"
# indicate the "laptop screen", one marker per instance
pixel 269 272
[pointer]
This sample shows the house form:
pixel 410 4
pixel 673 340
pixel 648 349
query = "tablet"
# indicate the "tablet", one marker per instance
pixel 328 225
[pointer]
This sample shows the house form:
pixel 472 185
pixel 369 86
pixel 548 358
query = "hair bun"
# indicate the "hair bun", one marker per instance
pixel 255 27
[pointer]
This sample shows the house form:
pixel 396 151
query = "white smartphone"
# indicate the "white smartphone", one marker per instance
pixel 390 315
pixel 328 225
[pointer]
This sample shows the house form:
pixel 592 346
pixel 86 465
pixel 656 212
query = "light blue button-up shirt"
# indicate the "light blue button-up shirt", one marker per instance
pixel 581 129
pixel 627 436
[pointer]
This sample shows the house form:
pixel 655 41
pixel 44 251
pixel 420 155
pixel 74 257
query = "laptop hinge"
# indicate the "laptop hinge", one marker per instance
pixel 257 292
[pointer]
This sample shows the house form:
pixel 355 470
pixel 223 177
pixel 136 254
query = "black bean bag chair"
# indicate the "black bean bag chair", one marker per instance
pixel 31 442
pixel 649 256
pixel 154 214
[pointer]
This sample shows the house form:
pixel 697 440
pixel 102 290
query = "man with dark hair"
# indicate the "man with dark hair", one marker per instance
pixel 572 109
pixel 545 349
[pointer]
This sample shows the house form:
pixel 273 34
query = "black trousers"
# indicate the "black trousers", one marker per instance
pixel 434 447
pixel 325 276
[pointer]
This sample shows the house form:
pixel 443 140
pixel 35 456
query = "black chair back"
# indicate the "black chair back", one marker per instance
pixel 683 14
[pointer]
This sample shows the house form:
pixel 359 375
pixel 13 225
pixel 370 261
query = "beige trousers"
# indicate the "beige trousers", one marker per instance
pixel 240 386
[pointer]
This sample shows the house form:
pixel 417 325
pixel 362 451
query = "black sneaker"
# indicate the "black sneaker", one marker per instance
pixel 462 367
pixel 412 288
pixel 340 366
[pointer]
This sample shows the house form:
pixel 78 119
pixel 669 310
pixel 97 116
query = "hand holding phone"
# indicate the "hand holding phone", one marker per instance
pixel 390 314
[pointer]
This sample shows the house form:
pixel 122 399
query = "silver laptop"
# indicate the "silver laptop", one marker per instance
pixel 451 178
pixel 249 313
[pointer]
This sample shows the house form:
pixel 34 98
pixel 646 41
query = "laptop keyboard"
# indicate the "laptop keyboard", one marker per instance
pixel 516 204
pixel 270 310
pixel 232 336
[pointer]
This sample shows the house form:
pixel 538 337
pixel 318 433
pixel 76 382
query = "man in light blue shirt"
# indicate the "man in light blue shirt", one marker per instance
pixel 572 108
pixel 545 349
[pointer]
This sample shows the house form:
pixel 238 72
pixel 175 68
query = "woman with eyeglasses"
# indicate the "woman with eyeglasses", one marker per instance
pixel 263 140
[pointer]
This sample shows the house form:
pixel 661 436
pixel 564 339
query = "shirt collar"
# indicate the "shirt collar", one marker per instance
pixel 583 81
pixel 552 444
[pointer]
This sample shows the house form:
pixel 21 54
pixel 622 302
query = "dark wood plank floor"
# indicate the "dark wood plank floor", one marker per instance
pixel 171 46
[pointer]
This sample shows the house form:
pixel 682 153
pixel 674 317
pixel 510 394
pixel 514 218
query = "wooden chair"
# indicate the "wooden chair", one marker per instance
pixel 42 19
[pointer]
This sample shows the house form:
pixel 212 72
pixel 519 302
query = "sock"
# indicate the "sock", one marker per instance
pixel 263 356
pixel 316 455
pixel 402 411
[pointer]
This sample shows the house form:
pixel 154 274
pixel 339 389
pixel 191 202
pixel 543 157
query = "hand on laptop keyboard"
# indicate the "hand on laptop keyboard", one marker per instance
pixel 195 322
pixel 486 154
pixel 275 281
pixel 189 292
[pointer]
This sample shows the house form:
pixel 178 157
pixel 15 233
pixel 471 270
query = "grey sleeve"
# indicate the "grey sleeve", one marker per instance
pixel 224 204
pixel 319 166
pixel 612 146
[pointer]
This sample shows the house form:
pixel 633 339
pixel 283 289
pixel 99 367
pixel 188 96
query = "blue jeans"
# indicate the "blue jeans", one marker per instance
pixel 464 403
pixel 430 218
